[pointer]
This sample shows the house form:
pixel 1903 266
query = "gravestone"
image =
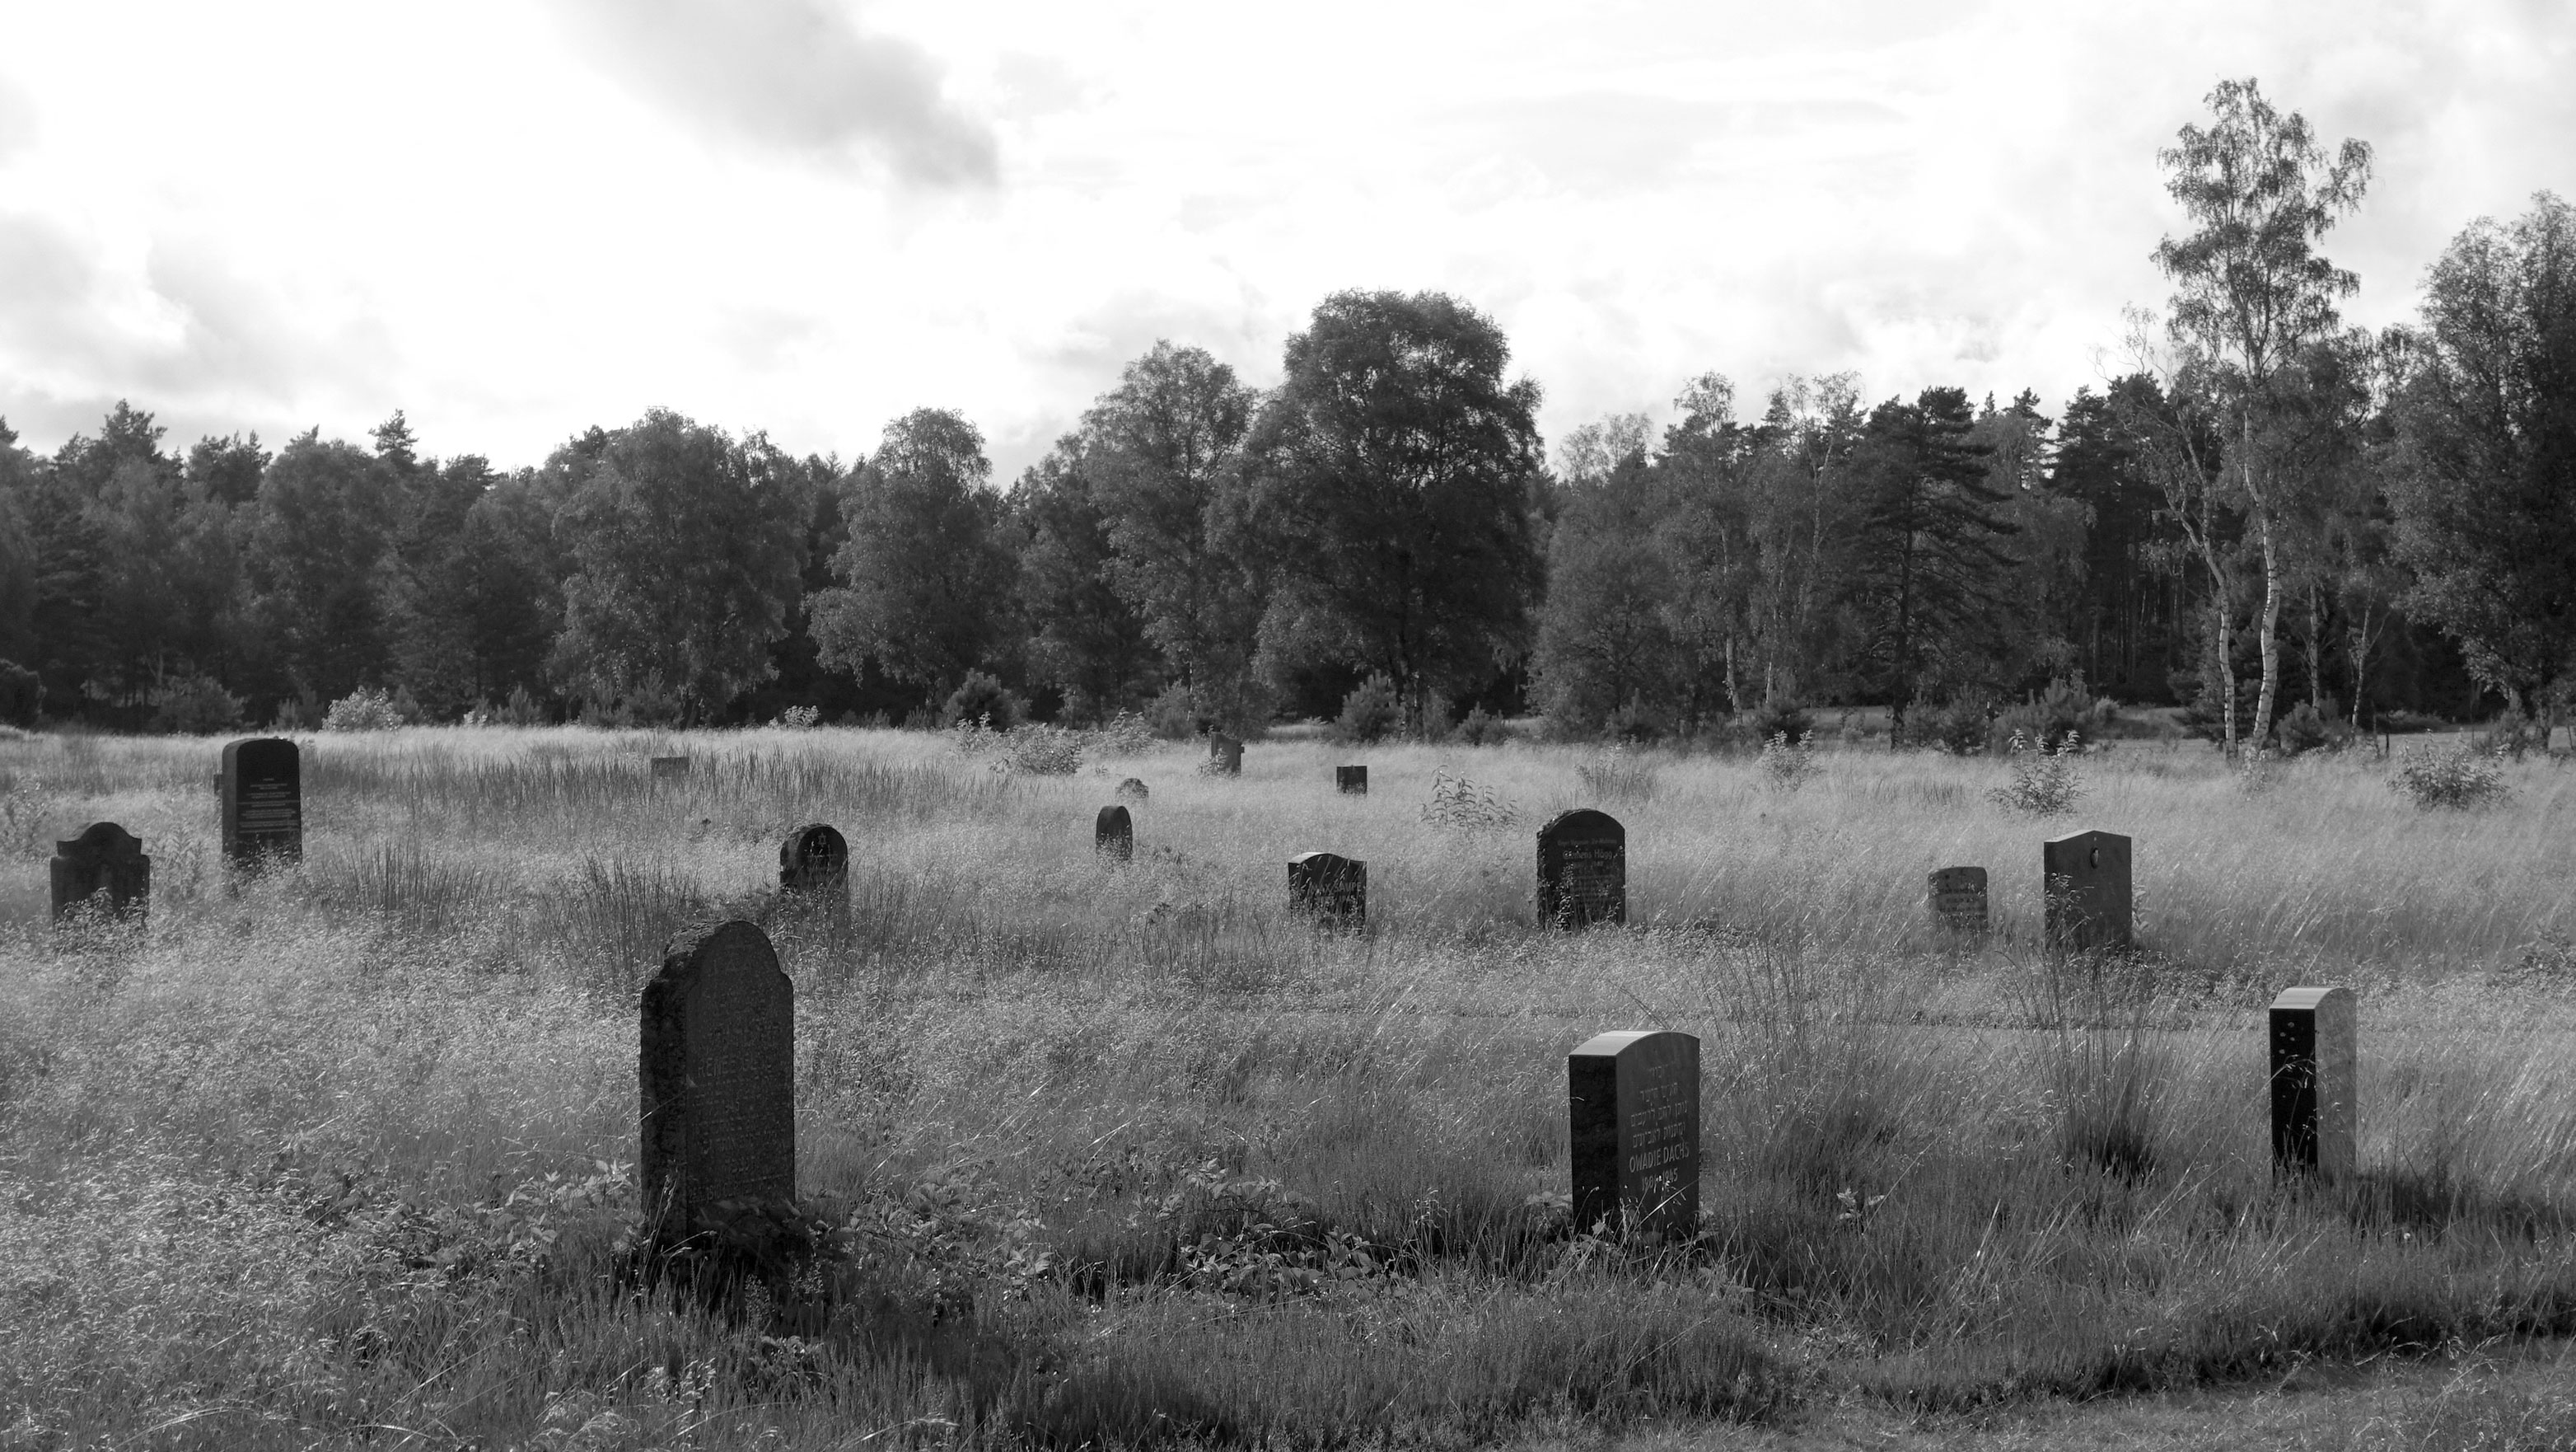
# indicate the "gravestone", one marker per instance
pixel 1114 835
pixel 2086 885
pixel 104 858
pixel 1329 888
pixel 262 789
pixel 1133 790
pixel 665 767
pixel 1351 780
pixel 814 864
pixel 1582 869
pixel 2313 1052
pixel 1632 1103
pixel 1225 754
pixel 1958 899
pixel 718 1072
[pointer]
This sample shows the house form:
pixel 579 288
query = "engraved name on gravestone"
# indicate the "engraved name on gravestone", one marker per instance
pixel 1351 780
pixel 1114 835
pixel 1582 869
pixel 1958 896
pixel 262 790
pixel 718 1074
pixel 814 864
pixel 2313 1056
pixel 1225 754
pixel 103 859
pixel 1133 789
pixel 2086 887
pixel 1330 888
pixel 1632 1104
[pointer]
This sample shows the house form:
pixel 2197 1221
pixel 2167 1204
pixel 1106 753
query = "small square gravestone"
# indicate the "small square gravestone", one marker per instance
pixel 1133 790
pixel 104 858
pixel 1958 898
pixel 1113 835
pixel 2313 1053
pixel 1352 781
pixel 1329 888
pixel 2086 884
pixel 1632 1104
pixel 814 865
pixel 1582 869
pixel 667 768
pixel 718 1074
pixel 1225 754
pixel 262 790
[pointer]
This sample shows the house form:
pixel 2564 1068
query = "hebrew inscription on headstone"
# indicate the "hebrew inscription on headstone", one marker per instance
pixel 1582 869
pixel 103 859
pixel 1331 889
pixel 1958 898
pixel 2313 1054
pixel 1113 835
pixel 262 788
pixel 718 1073
pixel 1632 1104
pixel 2086 882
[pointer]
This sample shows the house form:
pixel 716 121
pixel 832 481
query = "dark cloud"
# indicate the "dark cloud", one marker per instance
pixel 793 74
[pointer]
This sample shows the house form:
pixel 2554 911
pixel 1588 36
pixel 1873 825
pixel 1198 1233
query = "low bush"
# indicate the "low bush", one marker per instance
pixel 1370 712
pixel 365 709
pixel 2460 780
pixel 1617 774
pixel 1788 766
pixel 195 706
pixel 22 695
pixel 1482 728
pixel 1783 718
pixel 2303 729
pixel 983 698
pixel 2041 781
pixel 2063 710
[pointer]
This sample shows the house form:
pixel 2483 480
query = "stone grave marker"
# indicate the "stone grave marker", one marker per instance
pixel 262 789
pixel 1351 781
pixel 1331 889
pixel 1225 754
pixel 2313 1052
pixel 668 767
pixel 1632 1103
pixel 1582 869
pixel 2086 886
pixel 1958 898
pixel 718 1073
pixel 1114 835
pixel 814 864
pixel 1133 790
pixel 104 858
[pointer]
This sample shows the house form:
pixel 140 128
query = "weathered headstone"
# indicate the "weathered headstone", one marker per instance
pixel 1582 869
pixel 104 858
pixel 1225 754
pixel 1632 1102
pixel 1330 888
pixel 2313 1052
pixel 2086 884
pixel 1133 790
pixel 1114 835
pixel 814 865
pixel 1958 899
pixel 718 1073
pixel 668 767
pixel 262 789
pixel 1352 781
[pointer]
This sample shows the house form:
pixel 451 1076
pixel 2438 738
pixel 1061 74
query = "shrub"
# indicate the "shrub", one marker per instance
pixel 1174 715
pixel 295 713
pixel 2042 782
pixel 22 694
pixel 2061 711
pixel 195 706
pixel 364 709
pixel 1459 805
pixel 2460 780
pixel 1789 766
pixel 1637 723
pixel 1370 712
pixel 1482 728
pixel 981 697
pixel 522 709
pixel 1614 775
pixel 1040 751
pixel 1963 727
pixel 801 718
pixel 2302 729
pixel 1125 734
pixel 1783 718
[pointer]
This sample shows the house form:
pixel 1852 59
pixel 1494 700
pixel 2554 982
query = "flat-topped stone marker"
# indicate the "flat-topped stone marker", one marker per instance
pixel 814 865
pixel 1351 781
pixel 1582 869
pixel 1632 1106
pixel 2313 1039
pixel 2085 883
pixel 1958 900
pixel 1113 834
pixel 103 859
pixel 1225 754
pixel 1331 889
pixel 718 1075
pixel 262 791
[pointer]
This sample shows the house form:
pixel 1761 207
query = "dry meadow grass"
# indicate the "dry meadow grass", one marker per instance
pixel 1127 1156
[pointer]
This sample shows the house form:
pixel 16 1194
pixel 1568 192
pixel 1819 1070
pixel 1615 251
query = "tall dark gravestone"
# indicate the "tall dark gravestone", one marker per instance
pixel 104 858
pixel 2313 1051
pixel 718 1073
pixel 1352 781
pixel 1329 888
pixel 1958 898
pixel 1225 754
pixel 1632 1102
pixel 2087 890
pixel 262 786
pixel 1582 869
pixel 814 865
pixel 1114 835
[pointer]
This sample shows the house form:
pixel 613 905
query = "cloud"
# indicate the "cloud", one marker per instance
pixel 17 120
pixel 792 74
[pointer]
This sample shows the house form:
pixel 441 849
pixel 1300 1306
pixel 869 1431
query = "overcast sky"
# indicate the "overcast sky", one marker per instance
pixel 514 221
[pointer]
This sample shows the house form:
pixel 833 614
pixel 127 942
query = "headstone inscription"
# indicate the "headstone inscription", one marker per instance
pixel 1582 869
pixel 1331 889
pixel 2313 1053
pixel 1225 754
pixel 1133 790
pixel 1958 899
pixel 104 858
pixel 718 1074
pixel 1113 836
pixel 1352 781
pixel 814 864
pixel 1632 1103
pixel 666 767
pixel 2086 885
pixel 262 789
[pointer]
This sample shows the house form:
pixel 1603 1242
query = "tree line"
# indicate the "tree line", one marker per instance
pixel 2270 518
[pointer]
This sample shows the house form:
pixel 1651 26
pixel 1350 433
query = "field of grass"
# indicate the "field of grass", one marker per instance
pixel 1126 1156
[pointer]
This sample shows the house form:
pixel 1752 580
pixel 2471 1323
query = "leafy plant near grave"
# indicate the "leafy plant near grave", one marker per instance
pixel 1482 728
pixel 2039 781
pixel 1369 713
pixel 1617 774
pixel 1457 804
pixel 1788 766
pixel 2458 780
pixel 367 708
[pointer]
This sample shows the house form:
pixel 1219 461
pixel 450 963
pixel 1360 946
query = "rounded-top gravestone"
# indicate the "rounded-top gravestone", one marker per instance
pixel 104 858
pixel 1328 887
pixel 1582 869
pixel 1113 834
pixel 1632 1106
pixel 814 863
pixel 718 1077
pixel 262 788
